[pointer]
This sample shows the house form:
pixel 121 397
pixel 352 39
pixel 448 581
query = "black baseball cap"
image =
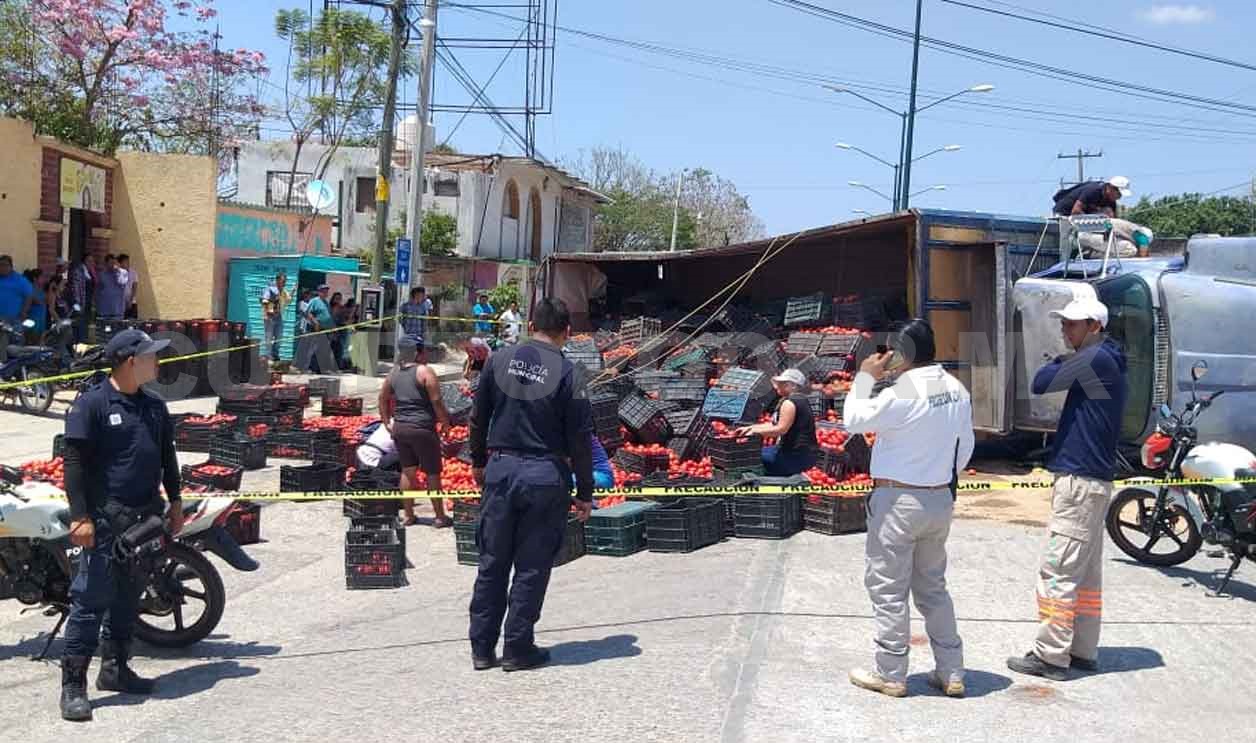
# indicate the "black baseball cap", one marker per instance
pixel 132 342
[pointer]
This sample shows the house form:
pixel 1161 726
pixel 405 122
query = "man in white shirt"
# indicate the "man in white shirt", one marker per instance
pixel 378 451
pixel 924 437
pixel 512 322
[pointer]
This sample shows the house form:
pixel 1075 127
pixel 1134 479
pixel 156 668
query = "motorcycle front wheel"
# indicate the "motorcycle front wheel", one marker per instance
pixel 36 396
pixel 183 599
pixel 1172 540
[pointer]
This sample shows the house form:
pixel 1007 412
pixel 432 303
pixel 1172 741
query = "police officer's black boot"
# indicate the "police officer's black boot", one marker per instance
pixel 115 674
pixel 74 704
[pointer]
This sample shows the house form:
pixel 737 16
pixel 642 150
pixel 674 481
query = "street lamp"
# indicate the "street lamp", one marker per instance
pixel 904 146
pixel 927 190
pixel 865 186
pixel 897 170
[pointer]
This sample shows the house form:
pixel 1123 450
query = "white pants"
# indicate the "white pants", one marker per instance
pixel 906 554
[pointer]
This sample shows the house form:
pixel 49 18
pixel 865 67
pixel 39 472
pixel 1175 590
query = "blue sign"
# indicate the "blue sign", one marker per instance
pixel 403 261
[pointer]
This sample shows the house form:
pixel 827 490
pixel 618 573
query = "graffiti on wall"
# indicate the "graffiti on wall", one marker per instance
pixel 271 233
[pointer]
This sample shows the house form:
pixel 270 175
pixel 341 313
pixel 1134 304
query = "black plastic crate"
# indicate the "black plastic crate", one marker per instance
pixel 685 525
pixel 194 432
pixel 58 446
pixel 683 447
pixel 344 406
pixel 775 516
pixel 324 387
pixel 298 443
pixel 585 352
pixel 840 344
pixel 802 344
pixel 644 418
pixel 375 531
pixel 605 405
pixel 238 450
pixel 466 511
pixel 822 368
pixel 458 404
pixel 817 402
pixel 691 356
pixel 574 545
pixel 641 464
pixel 833 463
pixel 633 331
pixel 316 478
pixel 758 384
pixel 468 552
pixel 711 341
pixel 835 514
pixel 735 454
pixel 196 474
pixel 333 452
pixel 617 531
pixel 813 310
pixel 685 422
pixel 244 523
pixel 375 566
pixel 687 392
pixel 655 381
pixel 766 357
pixel 361 508
pixel 866 313
pixel 731 405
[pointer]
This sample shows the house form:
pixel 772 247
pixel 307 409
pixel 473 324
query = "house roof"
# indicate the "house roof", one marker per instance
pixel 881 223
pixel 485 163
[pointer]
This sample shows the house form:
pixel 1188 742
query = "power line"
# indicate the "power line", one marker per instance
pixel 1022 65
pixel 1055 114
pixel 1079 27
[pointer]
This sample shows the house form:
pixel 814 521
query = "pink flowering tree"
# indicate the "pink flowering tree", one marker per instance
pixel 148 74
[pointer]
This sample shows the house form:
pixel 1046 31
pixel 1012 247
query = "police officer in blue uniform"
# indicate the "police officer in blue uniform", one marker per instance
pixel 530 433
pixel 119 448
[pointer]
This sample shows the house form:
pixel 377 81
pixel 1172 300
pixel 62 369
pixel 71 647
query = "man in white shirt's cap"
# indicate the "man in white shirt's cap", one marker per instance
pixel 924 434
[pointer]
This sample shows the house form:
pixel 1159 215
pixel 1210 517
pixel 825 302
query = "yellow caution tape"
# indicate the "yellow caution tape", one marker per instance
pixel 701 490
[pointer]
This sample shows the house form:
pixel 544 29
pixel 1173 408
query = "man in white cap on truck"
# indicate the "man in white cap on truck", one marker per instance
pixel 1083 460
pixel 1092 197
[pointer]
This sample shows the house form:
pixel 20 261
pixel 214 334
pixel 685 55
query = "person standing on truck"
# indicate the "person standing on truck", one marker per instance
pixel 924 428
pixel 1091 197
pixel 1083 460
pixel 530 433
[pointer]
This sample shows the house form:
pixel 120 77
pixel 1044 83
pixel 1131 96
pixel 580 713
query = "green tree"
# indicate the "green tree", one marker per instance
pixel 502 295
pixel 439 235
pixel 343 54
pixel 1192 213
pixel 641 222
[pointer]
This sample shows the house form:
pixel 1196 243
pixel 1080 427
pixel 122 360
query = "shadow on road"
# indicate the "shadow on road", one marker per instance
pixel 1206 579
pixel 976 684
pixel 1124 660
pixel 591 651
pixel 212 647
pixel 182 683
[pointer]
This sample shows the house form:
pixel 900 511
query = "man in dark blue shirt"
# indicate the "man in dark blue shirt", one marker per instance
pixel 530 433
pixel 1083 460
pixel 1091 197
pixel 119 449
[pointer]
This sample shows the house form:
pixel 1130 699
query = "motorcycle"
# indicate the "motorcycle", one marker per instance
pixel 69 358
pixel 1221 510
pixel 20 363
pixel 38 563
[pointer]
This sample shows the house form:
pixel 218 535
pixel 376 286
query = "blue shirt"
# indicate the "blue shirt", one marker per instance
pixel 411 322
pixel 481 310
pixel 321 312
pixel 1090 424
pixel 123 435
pixel 14 289
pixel 111 292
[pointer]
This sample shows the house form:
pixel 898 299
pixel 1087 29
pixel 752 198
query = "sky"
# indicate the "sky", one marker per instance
pixel 774 136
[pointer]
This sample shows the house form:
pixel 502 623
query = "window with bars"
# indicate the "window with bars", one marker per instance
pixel 279 183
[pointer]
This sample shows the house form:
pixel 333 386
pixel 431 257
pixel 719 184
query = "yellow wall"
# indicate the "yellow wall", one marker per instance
pixel 164 208
pixel 20 159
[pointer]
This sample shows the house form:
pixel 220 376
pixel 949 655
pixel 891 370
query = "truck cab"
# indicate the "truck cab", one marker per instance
pixel 1167 313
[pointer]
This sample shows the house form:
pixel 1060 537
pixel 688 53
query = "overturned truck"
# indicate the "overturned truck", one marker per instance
pixel 986 283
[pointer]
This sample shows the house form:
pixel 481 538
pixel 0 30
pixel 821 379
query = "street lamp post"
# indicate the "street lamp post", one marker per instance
pixel 905 118
pixel 896 201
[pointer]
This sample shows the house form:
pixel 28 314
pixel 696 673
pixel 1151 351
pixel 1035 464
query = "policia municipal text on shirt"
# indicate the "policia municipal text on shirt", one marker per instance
pixel 119 449
pixel 530 433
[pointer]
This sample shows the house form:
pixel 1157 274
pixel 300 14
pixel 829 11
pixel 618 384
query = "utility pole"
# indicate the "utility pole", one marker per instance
pixel 911 111
pixel 1081 158
pixel 427 27
pixel 680 181
pixel 384 173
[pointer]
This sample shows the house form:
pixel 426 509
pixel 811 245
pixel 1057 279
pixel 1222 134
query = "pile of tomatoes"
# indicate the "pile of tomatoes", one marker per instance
pixel 721 430
pixel 214 421
pixel 836 330
pixel 818 477
pixel 832 439
pixel 690 468
pixel 455 474
pixel 619 352
pixel 214 470
pixel 347 425
pixel 647 450
pixel 455 434
pixel 50 471
pixel 258 430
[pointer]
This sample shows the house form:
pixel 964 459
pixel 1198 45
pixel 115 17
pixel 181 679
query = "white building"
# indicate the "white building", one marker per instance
pixel 508 208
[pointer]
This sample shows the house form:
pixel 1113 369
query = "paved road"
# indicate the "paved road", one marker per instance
pixel 743 641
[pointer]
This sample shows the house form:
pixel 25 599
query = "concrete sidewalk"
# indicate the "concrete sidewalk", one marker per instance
pixel 743 641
